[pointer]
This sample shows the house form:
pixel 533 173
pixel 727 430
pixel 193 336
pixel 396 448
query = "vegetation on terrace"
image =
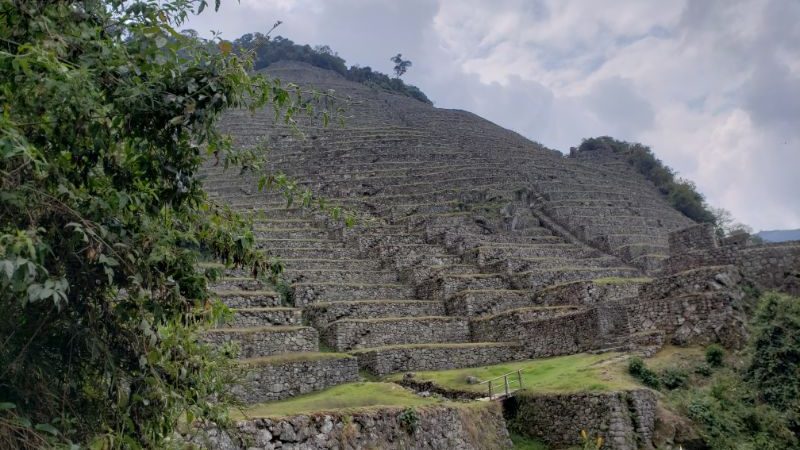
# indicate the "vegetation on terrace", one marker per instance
pixel 572 373
pixel 682 194
pixel 342 397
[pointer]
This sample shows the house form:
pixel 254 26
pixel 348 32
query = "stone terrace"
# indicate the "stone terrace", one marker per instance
pixel 463 226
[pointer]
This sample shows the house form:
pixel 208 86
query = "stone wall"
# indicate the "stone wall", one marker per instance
pixel 508 326
pixel 561 335
pixel 625 420
pixel 767 265
pixel 468 427
pixel 770 266
pixel 353 334
pixel 587 293
pixel 276 380
pixel 385 361
pixel 697 237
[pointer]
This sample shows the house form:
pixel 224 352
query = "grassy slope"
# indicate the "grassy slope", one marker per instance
pixel 345 396
pixel 582 372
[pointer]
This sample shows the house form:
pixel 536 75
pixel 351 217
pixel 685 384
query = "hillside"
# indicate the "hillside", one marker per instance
pixel 472 247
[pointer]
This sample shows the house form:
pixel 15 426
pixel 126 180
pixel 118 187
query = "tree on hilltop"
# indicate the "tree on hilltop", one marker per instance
pixel 400 65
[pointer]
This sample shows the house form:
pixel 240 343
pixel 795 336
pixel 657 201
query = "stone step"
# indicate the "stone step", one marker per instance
pixel 308 293
pixel 487 255
pixel 300 233
pixel 282 376
pixel 525 264
pixel 386 360
pixel 340 275
pixel 470 303
pixel 291 244
pixel 262 317
pixel 504 326
pixel 243 283
pixel 313 253
pixel 320 315
pixel 266 341
pixel 344 264
pixel 538 279
pixel 443 287
pixel 349 334
pixel 249 299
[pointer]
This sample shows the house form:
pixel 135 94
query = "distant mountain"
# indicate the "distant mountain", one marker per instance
pixel 779 235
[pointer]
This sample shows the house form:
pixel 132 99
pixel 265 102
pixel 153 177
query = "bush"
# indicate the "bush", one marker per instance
pixel 674 378
pixel 715 355
pixel 639 370
pixel 704 370
pixel 409 420
pixel 636 366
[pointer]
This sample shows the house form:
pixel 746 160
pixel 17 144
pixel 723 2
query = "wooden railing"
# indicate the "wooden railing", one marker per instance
pixel 511 382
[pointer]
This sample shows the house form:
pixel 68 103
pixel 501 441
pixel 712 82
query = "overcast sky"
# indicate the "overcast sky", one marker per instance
pixel 712 86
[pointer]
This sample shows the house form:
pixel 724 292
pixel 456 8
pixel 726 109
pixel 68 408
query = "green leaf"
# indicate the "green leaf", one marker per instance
pixel 225 47
pixel 7 405
pixel 47 428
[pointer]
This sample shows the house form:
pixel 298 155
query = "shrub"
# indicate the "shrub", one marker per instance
pixel 674 378
pixel 639 370
pixel 409 420
pixel 703 369
pixel 715 355
pixel 636 366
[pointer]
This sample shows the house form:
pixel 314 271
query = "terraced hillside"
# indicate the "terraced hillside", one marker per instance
pixel 469 244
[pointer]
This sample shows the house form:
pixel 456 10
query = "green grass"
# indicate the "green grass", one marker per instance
pixel 343 397
pixel 525 443
pixel 581 372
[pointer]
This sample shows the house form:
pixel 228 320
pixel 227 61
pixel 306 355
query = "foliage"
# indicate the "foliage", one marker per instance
pixel 268 51
pixel 521 442
pixel 400 65
pixel 775 365
pixel 682 194
pixel 590 443
pixel 673 378
pixel 638 369
pixel 703 370
pixel 107 115
pixel 729 416
pixel 715 355
pixel 409 420
pixel 754 406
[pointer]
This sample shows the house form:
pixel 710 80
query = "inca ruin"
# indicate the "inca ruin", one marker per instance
pixel 472 246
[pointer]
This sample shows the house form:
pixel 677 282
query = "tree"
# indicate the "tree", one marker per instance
pixel 400 65
pixel 107 115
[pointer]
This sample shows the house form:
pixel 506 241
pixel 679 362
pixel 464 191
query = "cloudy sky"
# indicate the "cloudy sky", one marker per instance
pixel 713 86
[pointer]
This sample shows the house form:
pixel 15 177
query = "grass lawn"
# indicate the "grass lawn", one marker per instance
pixel 526 443
pixel 345 396
pixel 581 372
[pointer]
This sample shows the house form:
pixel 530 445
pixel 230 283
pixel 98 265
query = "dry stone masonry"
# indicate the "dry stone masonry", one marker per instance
pixel 473 246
